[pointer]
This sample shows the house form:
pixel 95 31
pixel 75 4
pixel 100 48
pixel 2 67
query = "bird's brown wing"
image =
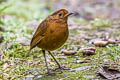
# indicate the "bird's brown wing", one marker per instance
pixel 39 34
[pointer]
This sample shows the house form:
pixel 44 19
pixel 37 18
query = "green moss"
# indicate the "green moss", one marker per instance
pixel 18 63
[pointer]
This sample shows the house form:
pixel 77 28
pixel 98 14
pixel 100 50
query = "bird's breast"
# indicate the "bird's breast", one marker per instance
pixel 55 37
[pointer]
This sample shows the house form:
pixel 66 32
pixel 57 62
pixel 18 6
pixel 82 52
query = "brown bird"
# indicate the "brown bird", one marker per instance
pixel 51 34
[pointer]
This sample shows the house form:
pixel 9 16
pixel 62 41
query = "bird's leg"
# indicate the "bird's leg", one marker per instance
pixel 59 66
pixel 54 59
pixel 48 70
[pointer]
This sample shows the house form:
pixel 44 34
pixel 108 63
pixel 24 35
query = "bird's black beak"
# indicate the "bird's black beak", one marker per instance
pixel 69 14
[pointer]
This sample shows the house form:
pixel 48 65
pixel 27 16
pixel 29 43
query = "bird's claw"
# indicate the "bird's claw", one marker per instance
pixel 60 69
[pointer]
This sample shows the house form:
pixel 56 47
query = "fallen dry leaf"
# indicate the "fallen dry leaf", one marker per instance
pixel 111 41
pixel 109 74
pixel 68 52
pixel 89 51
pixel 100 43
pixel 83 61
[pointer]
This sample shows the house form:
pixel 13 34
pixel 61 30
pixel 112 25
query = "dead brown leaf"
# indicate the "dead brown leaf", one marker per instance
pixel 83 61
pixel 68 52
pixel 100 43
pixel 109 74
pixel 89 51
pixel 111 41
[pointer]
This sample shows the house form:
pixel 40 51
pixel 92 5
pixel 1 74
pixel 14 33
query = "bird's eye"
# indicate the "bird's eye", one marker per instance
pixel 59 14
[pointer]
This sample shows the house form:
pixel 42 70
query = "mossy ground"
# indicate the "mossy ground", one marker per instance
pixel 18 64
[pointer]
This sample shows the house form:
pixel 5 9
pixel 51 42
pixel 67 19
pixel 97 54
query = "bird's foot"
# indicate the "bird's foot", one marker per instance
pixel 60 69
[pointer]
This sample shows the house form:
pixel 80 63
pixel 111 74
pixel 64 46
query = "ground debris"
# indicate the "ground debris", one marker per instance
pixel 100 43
pixel 80 68
pixel 109 73
pixel 68 52
pixel 83 61
pixel 89 51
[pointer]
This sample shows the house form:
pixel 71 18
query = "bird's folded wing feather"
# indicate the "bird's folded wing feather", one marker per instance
pixel 38 35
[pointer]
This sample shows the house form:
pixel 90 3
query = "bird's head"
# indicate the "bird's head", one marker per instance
pixel 61 14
